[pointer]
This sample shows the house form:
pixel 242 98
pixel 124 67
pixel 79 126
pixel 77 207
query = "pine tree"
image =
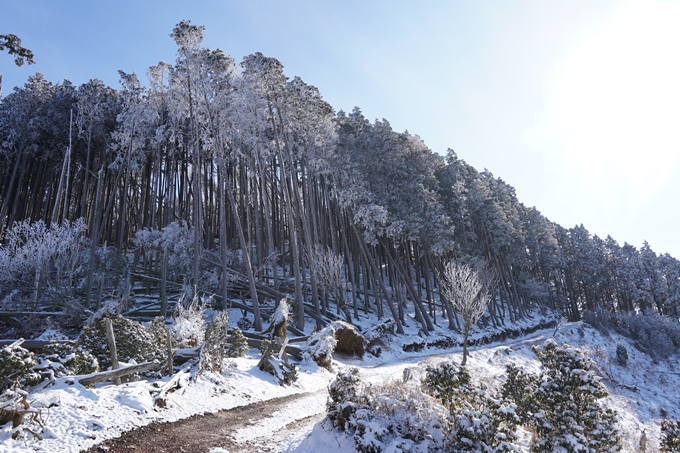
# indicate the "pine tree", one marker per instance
pixel 568 415
pixel 482 420
pixel 238 346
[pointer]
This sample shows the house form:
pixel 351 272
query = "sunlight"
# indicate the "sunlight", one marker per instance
pixel 618 99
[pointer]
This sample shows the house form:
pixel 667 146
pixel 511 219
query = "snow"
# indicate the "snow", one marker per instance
pixel 281 313
pixel 75 417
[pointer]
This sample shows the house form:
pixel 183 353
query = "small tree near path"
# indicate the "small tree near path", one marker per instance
pixel 468 291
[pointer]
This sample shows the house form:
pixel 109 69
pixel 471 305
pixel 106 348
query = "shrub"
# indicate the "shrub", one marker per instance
pixel 670 436
pixel 67 359
pixel 622 355
pixel 344 397
pixel 44 261
pixel 188 323
pixel 658 336
pixel 482 421
pixel 244 323
pixel 212 352
pixel 519 387
pixel 134 341
pixel 239 344
pixel 600 319
pixel 390 417
pixel 16 365
pixel 448 382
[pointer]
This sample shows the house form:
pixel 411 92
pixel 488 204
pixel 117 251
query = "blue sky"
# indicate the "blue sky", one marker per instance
pixel 575 104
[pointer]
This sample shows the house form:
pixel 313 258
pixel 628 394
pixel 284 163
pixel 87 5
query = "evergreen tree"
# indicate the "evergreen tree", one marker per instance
pixel 567 413
pixel 238 346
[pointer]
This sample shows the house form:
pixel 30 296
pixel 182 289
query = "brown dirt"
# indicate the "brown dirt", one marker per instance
pixel 200 433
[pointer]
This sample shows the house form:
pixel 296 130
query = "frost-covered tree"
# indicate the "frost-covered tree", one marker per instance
pixel 43 263
pixel 468 291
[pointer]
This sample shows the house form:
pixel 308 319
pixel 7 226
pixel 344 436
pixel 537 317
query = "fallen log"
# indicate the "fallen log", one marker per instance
pixel 119 373
pixel 34 313
pixel 295 351
pixel 187 354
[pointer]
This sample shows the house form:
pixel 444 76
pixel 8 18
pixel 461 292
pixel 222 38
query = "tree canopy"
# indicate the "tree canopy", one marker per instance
pixel 262 174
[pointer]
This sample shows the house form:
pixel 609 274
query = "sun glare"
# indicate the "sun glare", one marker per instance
pixel 618 99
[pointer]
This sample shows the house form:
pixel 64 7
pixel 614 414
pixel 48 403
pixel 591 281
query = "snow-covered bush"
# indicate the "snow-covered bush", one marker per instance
pixel 345 395
pixel 519 387
pixel 568 416
pixel 212 352
pixel 188 323
pixel 600 318
pixel 337 336
pixel 16 365
pixel 482 421
pixel 67 359
pixel 670 436
pixel 382 330
pixel 390 417
pixel 448 382
pixel 376 335
pixel 238 346
pixel 134 341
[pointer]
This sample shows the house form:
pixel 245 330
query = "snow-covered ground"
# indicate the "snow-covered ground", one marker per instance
pixel 75 417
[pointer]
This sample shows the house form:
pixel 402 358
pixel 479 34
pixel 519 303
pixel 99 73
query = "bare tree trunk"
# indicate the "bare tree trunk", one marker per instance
pixel 393 309
pixel 246 255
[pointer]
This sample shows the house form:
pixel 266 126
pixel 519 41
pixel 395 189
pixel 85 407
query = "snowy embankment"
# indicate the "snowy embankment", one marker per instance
pixel 75 417
pixel 641 393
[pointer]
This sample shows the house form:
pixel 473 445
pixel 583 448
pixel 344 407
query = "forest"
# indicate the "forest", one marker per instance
pixel 234 180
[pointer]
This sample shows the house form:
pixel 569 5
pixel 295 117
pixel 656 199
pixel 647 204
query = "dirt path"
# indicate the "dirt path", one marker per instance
pixel 261 427
pixel 257 427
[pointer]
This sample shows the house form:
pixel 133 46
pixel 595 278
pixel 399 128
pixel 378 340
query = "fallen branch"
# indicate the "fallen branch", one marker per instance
pixel 119 373
pixel 185 354
pixel 160 399
pixel 32 345
pixel 182 355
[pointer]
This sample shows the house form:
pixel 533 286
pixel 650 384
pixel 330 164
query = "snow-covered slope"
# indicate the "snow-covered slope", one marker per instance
pixel 75 417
